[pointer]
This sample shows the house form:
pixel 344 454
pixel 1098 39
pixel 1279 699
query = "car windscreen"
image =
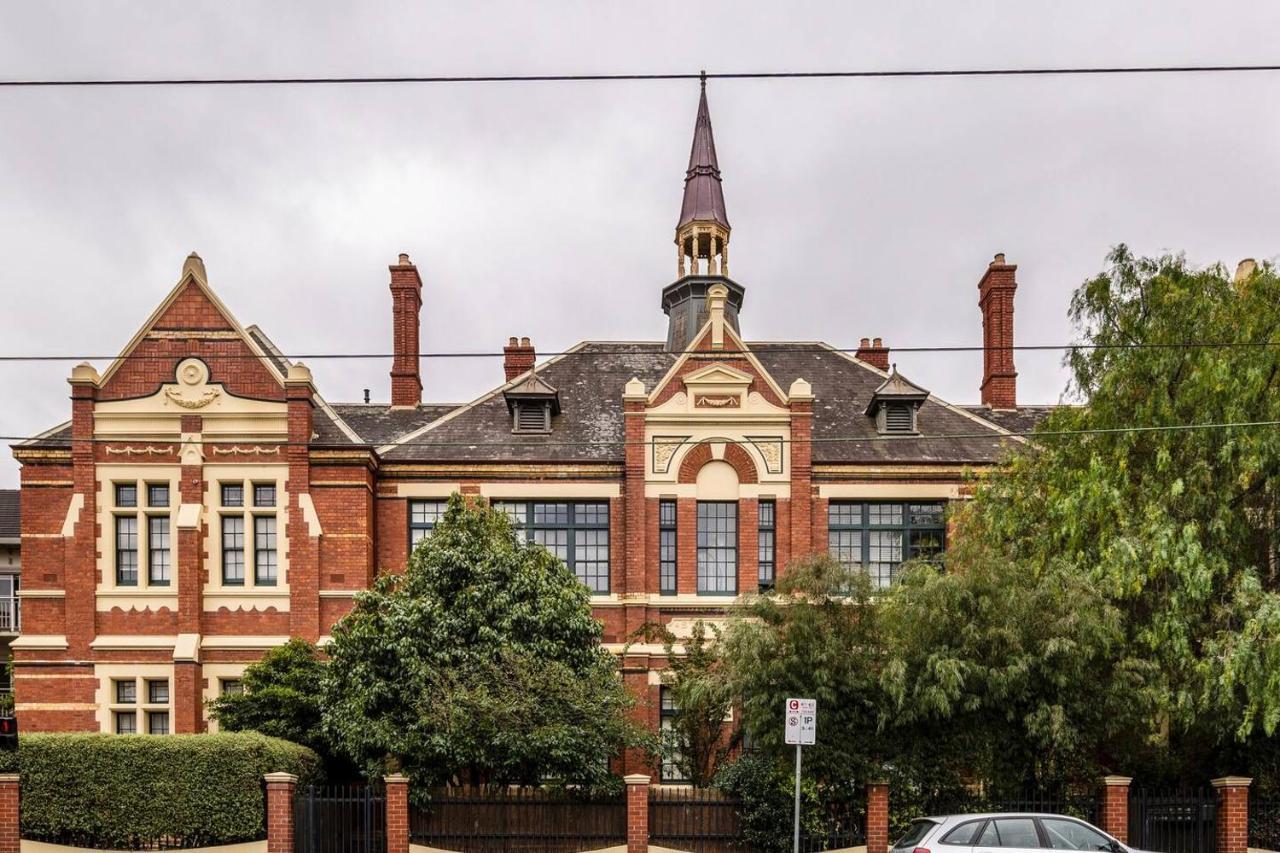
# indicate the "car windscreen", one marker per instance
pixel 917 831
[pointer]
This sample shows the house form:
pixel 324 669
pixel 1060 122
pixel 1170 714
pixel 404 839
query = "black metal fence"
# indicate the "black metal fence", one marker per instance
pixel 1264 823
pixel 1176 821
pixel 700 820
pixel 1086 805
pixel 518 820
pixel 340 819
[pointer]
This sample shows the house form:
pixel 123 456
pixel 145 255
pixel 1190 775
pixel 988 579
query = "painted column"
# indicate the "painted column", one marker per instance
pixel 1115 807
pixel 280 790
pixel 877 817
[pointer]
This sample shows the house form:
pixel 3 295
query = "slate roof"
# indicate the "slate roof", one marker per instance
pixel 1020 420
pixel 378 423
pixel 9 527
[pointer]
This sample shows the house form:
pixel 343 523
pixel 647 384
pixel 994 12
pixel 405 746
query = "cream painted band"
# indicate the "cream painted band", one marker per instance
pixel 243 642
pixel 40 642
pixel 778 491
pixel 42 593
pixel 30 676
pixel 43 536
pixel 894 491
pixel 73 515
pixel 55 706
pixel 139 599
pixel 427 490
pixel 47 483
pixel 504 491
pixel 132 642
pixel 339 593
pixel 247 599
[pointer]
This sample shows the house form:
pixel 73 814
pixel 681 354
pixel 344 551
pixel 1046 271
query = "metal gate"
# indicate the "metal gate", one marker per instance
pixel 1173 821
pixel 340 819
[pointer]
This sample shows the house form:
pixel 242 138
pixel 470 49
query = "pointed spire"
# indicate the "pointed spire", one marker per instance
pixel 703 194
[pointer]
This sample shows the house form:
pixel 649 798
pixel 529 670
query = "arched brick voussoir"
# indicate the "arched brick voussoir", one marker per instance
pixel 733 454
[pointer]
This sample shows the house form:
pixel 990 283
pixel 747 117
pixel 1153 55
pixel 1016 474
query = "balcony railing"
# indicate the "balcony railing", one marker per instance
pixel 10 615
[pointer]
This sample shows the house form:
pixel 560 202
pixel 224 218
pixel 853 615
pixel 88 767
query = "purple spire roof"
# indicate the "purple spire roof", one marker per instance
pixel 703 194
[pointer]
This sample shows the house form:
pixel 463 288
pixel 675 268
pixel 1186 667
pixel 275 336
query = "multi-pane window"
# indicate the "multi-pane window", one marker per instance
pixel 233 550
pixel 248 536
pixel 717 547
pixel 264 549
pixel 230 687
pixel 671 770
pixel 423 517
pixel 768 543
pixel 575 531
pixel 667 547
pixel 158 550
pixel 139 705
pixel 879 537
pixel 141 534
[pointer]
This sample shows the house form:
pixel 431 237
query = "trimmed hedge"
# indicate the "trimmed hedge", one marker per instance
pixel 139 791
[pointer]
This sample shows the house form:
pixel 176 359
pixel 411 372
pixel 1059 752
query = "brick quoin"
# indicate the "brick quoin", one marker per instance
pixel 280 788
pixel 397 813
pixel 1233 814
pixel 637 813
pixel 1115 807
pixel 10 795
pixel 877 817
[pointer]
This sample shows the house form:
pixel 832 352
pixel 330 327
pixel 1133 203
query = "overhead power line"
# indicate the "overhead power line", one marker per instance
pixel 1051 71
pixel 992 434
pixel 599 350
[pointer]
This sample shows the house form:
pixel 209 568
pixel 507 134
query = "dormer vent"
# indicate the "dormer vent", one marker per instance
pixel 895 405
pixel 532 404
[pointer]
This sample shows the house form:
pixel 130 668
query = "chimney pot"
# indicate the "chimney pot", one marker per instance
pixel 999 260
pixel 404 259
pixel 366 396
pixel 524 342
pixel 512 341
pixel 877 343
pixel 864 343
pixel 873 352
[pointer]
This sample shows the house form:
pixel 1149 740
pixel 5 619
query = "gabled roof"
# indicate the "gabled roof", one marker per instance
pixel 532 388
pixel 703 193
pixel 897 388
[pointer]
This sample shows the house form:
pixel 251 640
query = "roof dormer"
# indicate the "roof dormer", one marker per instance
pixel 895 405
pixel 532 404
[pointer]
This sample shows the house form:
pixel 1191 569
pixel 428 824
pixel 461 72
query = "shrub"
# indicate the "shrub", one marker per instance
pixel 123 792
pixel 766 802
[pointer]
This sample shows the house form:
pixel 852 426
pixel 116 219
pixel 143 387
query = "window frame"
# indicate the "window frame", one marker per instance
pixel 865 527
pixel 428 524
pixel 134 697
pixel 667 712
pixel 261 553
pixel 572 527
pixel 668 546
pixel 225 550
pixel 707 550
pixel 245 491
pixel 767 531
pixel 141 505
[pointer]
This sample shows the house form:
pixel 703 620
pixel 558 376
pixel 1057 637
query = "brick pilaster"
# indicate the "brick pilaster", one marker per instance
pixel 81 576
pixel 189 574
pixel 1115 807
pixel 748 545
pixel 637 813
pixel 188 697
pixel 280 790
pixel 10 830
pixel 303 544
pixel 877 817
pixel 397 813
pixel 801 473
pixel 1233 814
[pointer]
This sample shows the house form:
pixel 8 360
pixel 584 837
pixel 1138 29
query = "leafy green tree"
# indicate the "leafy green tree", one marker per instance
pixel 481 664
pixel 279 697
pixel 700 737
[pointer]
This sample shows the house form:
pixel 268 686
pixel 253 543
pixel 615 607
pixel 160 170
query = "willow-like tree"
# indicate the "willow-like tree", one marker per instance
pixel 481 664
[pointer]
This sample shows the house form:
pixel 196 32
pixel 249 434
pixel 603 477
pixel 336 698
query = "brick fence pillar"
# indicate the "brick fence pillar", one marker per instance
pixel 10 833
pixel 877 817
pixel 637 813
pixel 397 813
pixel 1115 807
pixel 280 788
pixel 1233 814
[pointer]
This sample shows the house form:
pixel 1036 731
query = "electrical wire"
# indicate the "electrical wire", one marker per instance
pixel 642 77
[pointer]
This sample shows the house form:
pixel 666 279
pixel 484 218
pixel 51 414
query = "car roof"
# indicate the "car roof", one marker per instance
pixel 987 815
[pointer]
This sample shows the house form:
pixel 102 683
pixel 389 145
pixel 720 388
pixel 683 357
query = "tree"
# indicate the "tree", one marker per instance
pixel 481 664
pixel 278 697
pixel 700 737
pixel 1132 546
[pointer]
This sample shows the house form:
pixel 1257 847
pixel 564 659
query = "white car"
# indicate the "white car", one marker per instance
pixel 1005 833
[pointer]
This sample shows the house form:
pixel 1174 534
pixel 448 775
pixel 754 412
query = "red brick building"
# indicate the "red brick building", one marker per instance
pixel 204 502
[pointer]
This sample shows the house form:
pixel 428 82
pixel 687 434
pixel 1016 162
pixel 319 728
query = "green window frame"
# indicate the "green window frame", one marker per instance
pixel 717 533
pixel 575 531
pixel 768 539
pixel 878 536
pixel 668 555
pixel 423 518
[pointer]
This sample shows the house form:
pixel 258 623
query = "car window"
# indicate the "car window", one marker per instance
pixel 1010 832
pixel 1070 835
pixel 989 836
pixel 963 834
pixel 917 831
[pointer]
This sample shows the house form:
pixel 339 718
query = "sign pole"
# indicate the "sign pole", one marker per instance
pixel 795 845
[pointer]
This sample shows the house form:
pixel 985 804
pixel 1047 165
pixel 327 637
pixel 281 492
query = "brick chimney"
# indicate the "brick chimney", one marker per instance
pixel 995 298
pixel 406 308
pixel 518 357
pixel 874 353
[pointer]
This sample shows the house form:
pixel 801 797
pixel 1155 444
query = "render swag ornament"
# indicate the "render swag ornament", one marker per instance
pixel 193 392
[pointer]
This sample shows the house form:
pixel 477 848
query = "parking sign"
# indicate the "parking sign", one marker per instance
pixel 802 721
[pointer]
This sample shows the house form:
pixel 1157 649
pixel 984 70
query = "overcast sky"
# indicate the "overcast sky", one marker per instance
pixel 859 207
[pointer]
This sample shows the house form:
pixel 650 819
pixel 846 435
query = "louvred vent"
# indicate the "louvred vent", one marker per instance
pixel 898 418
pixel 532 417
